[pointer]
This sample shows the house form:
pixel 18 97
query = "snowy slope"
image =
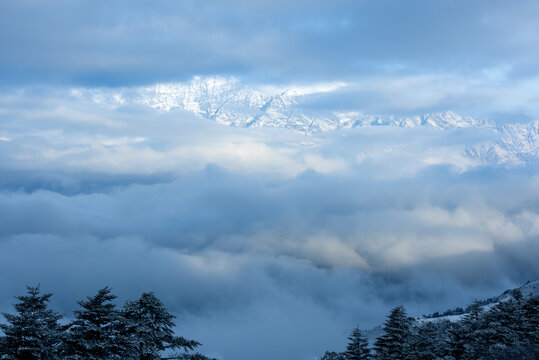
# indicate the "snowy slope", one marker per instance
pixel 517 144
pixel 527 290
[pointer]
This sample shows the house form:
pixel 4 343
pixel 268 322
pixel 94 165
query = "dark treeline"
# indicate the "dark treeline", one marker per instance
pixel 508 330
pixel 141 330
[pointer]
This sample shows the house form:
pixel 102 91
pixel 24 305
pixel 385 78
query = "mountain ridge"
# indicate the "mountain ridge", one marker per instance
pixel 226 101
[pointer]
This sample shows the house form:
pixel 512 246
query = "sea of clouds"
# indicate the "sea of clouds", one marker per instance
pixel 266 243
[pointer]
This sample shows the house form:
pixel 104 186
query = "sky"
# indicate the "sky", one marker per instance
pixel 257 237
pixel 475 57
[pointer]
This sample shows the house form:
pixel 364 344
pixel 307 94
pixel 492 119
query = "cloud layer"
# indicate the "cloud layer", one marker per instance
pixel 479 58
pixel 250 234
pixel 104 42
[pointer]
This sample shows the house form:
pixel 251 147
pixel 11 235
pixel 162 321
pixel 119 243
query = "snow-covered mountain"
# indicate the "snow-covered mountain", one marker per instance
pixel 517 144
pixel 530 289
pixel 227 101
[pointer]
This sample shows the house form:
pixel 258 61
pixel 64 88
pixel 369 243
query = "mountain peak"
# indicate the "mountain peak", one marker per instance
pixel 227 101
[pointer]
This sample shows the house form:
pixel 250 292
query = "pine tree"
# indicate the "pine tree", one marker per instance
pixel 477 334
pixel 34 332
pixel 529 337
pixel 456 341
pixel 96 331
pixel 331 355
pixel 428 341
pixel 507 335
pixel 149 327
pixel 394 343
pixel 501 336
pixel 358 346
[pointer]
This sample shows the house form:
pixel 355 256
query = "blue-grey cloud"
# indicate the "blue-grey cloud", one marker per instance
pixel 134 42
pixel 226 251
pixel 255 230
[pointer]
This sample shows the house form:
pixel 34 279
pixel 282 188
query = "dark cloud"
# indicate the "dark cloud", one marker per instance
pixel 116 43
pixel 254 257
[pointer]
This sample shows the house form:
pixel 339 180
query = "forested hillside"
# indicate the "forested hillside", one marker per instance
pixel 499 328
pixel 504 327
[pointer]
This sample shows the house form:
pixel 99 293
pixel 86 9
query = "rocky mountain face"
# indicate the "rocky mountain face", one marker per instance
pixel 227 101
pixel 517 144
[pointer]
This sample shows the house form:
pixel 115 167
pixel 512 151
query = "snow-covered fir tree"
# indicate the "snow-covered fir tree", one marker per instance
pixel 503 326
pixel 499 328
pixel 475 328
pixel 429 340
pixel 506 331
pixel 455 347
pixel 332 355
pixel 394 344
pixel 33 332
pixel 149 325
pixel 96 332
pixel 530 332
pixel 358 346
